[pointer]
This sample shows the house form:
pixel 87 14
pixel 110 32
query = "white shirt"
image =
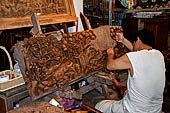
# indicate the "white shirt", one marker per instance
pixel 145 88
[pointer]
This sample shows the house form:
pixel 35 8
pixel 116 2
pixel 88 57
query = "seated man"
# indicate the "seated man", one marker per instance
pixel 146 78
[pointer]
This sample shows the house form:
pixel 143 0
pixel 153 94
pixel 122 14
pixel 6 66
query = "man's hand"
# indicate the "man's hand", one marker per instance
pixel 119 37
pixel 110 52
pixel 113 76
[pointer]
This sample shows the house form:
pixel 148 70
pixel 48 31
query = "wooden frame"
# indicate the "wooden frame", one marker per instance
pixel 17 13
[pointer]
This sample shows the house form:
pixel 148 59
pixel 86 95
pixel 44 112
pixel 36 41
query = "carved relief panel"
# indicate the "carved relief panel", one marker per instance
pixel 17 13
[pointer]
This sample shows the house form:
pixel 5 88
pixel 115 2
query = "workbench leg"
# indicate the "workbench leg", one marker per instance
pixel 65 28
pixel 100 89
pixel 15 98
pixel 3 104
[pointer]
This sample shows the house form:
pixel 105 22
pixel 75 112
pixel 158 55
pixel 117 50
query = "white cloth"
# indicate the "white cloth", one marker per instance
pixel 145 88
pixel 111 106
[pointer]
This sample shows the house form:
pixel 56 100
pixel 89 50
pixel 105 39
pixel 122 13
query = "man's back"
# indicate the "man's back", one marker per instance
pixel 145 88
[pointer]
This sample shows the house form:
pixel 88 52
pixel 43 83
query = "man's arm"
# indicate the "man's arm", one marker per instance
pixel 118 63
pixel 124 41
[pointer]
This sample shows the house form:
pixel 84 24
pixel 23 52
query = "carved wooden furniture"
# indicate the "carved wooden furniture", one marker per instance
pixel 17 13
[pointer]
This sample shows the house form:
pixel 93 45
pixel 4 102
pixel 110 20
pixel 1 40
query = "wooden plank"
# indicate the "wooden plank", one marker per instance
pixel 19 57
pixel 14 91
pixel 103 80
pixel 85 22
pixel 147 9
pixel 17 14
pixel 91 79
pixel 86 89
pixel 36 30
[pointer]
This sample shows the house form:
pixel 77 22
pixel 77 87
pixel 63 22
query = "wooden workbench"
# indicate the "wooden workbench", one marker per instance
pixel 96 80
pixel 9 97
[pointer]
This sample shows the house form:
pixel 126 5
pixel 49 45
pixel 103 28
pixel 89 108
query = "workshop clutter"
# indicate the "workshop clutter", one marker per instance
pixel 81 107
pixel 45 107
pixel 8 78
pixel 38 107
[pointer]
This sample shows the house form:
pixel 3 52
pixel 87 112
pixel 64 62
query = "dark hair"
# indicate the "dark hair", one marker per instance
pixel 146 36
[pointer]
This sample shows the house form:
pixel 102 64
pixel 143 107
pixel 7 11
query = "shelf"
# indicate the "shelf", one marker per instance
pixel 148 9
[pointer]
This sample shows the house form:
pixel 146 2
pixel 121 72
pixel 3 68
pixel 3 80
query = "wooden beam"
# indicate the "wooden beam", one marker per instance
pixel 86 89
pixel 85 22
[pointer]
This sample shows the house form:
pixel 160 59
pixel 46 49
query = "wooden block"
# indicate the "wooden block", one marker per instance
pixel 91 79
pixel 105 91
pixel 99 89
pixel 104 80
pixel 86 89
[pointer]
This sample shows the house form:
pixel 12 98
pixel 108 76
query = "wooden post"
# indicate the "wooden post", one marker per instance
pixel 3 104
pixel 110 12
pixel 64 25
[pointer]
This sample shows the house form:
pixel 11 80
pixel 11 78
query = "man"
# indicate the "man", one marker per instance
pixel 146 78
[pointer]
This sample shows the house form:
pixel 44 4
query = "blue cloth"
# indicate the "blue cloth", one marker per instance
pixel 119 15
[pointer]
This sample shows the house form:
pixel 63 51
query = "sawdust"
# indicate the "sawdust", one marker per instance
pixel 39 107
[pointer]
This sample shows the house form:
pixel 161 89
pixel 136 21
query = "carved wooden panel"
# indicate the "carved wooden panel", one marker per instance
pixel 17 13
pixel 48 63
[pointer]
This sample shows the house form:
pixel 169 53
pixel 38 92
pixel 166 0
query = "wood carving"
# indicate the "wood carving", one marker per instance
pixel 51 63
pixel 17 13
